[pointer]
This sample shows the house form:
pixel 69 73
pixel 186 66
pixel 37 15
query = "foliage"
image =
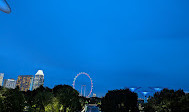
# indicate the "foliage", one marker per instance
pixel 53 106
pixel 61 98
pixel 12 100
pixel 184 103
pixel 168 101
pixel 120 101
pixel 41 98
pixel 68 97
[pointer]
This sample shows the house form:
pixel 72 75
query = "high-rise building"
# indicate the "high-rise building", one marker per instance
pixel 9 83
pixel 1 78
pixel 25 82
pixel 39 79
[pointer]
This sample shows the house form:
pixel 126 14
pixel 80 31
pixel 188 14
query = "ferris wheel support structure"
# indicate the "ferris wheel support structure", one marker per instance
pixel 83 73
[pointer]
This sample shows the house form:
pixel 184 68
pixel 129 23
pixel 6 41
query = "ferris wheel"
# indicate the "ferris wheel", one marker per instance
pixel 91 83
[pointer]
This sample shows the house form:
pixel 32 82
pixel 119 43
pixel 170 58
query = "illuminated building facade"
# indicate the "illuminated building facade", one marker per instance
pixel 1 78
pixel 9 83
pixel 39 79
pixel 25 82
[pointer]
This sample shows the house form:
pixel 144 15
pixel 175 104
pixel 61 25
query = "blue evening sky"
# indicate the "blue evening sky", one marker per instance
pixel 120 43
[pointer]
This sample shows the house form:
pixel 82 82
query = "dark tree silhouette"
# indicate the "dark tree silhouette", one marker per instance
pixel 43 99
pixel 120 101
pixel 68 97
pixel 167 101
pixel 13 100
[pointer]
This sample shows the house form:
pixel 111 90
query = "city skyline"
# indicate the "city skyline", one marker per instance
pixel 37 81
pixel 119 43
pixel 25 82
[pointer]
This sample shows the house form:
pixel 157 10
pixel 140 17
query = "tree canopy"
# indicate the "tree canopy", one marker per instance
pixel 62 98
pixel 168 101
pixel 120 101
